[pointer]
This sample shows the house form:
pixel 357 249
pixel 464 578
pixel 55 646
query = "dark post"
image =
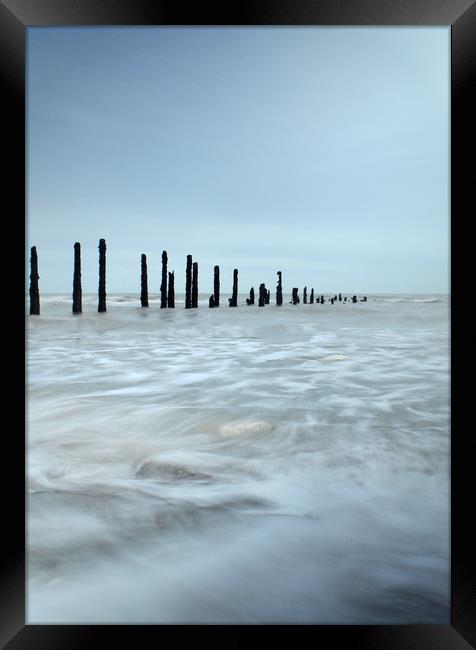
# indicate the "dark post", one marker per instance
pixel 188 283
pixel 261 298
pixel 251 299
pixel 267 297
pixel 364 299
pixel 304 296
pixel 279 289
pixel 311 297
pixel 77 302
pixel 211 301
pixel 195 285
pixel 34 291
pixel 322 300
pixel 354 299
pixel 345 299
pixel 144 295
pixel 332 301
pixel 234 296
pixel 171 290
pixel 340 297
pixel 163 286
pixel 102 276
pixel 216 286
pixel 295 298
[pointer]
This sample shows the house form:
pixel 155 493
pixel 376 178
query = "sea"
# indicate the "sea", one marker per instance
pixel 251 465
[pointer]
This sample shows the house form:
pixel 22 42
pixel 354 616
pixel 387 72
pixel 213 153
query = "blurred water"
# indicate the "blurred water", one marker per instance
pixel 251 465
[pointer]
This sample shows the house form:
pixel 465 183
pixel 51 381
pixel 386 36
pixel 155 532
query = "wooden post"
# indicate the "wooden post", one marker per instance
pixel 279 289
pixel 354 299
pixel 332 301
pixel 322 300
pixel 251 299
pixel 267 296
pixel 233 301
pixel 340 297
pixel 311 297
pixel 261 298
pixel 102 276
pixel 345 299
pixel 34 277
pixel 144 293
pixel 171 290
pixel 77 293
pixel 295 298
pixel 216 286
pixel 304 296
pixel 188 283
pixel 195 285
pixel 211 301
pixel 163 286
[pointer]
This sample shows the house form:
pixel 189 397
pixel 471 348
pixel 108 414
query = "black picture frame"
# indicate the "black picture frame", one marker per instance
pixel 460 15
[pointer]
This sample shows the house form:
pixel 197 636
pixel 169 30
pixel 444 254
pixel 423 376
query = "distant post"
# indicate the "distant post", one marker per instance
pixel 216 286
pixel 102 276
pixel 211 301
pixel 144 293
pixel 279 289
pixel 77 293
pixel 34 277
pixel 234 295
pixel 322 300
pixel 311 297
pixel 195 285
pixel 295 298
pixel 340 297
pixel 354 299
pixel 261 298
pixel 188 283
pixel 171 291
pixel 267 297
pixel 304 296
pixel 251 299
pixel 163 286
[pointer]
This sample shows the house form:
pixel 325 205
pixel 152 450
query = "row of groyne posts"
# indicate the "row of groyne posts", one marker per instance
pixel 167 287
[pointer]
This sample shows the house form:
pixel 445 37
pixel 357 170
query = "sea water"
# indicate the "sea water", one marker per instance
pixel 238 465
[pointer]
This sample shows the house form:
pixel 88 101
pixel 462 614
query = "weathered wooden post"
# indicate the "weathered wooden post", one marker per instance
pixel 311 297
pixel 34 277
pixel 102 276
pixel 354 299
pixel 216 286
pixel 77 293
pixel 279 289
pixel 233 301
pixel 261 297
pixel 295 298
pixel 304 296
pixel 163 286
pixel 340 297
pixel 211 301
pixel 322 300
pixel 267 297
pixel 188 283
pixel 144 293
pixel 195 285
pixel 332 301
pixel 364 299
pixel 171 290
pixel 251 299
pixel 345 299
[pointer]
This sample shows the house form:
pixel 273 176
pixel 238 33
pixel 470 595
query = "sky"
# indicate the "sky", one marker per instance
pixel 316 151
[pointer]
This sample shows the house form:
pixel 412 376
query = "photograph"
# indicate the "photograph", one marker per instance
pixel 238 325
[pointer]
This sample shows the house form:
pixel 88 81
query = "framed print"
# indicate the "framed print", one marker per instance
pixel 243 408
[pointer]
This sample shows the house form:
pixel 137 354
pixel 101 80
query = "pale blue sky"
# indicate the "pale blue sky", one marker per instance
pixel 320 152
